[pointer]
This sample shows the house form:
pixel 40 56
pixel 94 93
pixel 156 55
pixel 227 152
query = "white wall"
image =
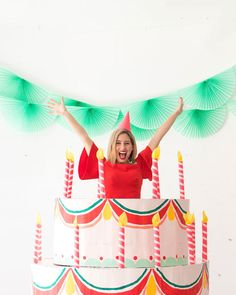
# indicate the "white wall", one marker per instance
pixel 113 52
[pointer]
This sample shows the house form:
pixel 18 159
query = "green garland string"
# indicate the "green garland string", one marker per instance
pixel 24 105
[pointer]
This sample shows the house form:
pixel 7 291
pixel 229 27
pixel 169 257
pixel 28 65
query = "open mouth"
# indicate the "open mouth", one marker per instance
pixel 122 155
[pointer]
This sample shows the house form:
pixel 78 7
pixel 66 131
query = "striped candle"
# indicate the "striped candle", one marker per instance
pixel 191 245
pixel 101 184
pixel 181 175
pixel 204 237
pixel 155 174
pixel 69 172
pixel 156 233
pixel 122 223
pixel 38 241
pixel 76 243
pixel 193 230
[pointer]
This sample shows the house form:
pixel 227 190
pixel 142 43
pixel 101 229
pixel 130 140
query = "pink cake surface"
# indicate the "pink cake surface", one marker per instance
pixel 99 229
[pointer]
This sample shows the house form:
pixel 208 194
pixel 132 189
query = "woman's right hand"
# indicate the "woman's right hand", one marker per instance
pixel 57 108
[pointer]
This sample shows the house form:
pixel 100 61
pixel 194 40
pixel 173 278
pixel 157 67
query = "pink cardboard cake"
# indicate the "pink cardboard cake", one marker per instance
pixel 122 246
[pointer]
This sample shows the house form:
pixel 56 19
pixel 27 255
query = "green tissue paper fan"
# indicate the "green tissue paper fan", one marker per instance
pixel 95 120
pixel 151 113
pixel 198 123
pixel 25 116
pixel 14 87
pixel 75 103
pixel 211 93
pixel 142 134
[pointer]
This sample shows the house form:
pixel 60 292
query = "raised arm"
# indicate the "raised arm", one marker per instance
pixel 165 127
pixel 60 109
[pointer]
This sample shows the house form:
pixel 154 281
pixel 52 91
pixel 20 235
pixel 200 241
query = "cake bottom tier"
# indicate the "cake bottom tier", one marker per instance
pixel 179 280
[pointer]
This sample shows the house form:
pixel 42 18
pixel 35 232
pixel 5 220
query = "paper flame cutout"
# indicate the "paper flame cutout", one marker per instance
pixel 151 286
pixel 100 154
pixel 107 212
pixel 156 153
pixel 69 156
pixel 75 223
pixel 70 285
pixel 180 157
pixel 171 212
pixel 156 220
pixel 123 220
pixel 204 280
pixel 189 218
pixel 38 219
pixel 204 217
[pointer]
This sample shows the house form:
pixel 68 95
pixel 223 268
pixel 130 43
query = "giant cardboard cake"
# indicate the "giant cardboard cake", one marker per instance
pixel 122 247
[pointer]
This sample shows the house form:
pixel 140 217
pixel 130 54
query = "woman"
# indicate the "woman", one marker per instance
pixel 124 171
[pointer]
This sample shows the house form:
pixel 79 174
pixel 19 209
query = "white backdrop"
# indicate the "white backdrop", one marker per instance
pixel 107 53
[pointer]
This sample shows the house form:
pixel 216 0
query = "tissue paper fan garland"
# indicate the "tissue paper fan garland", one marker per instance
pixel 96 120
pixel 142 134
pixel 151 113
pixel 26 116
pixel 15 87
pixel 23 103
pixel 198 123
pixel 211 93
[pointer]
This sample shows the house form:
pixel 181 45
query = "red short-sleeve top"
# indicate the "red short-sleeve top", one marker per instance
pixel 121 180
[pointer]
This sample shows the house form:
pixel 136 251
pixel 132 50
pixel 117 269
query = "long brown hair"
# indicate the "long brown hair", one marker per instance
pixel 111 151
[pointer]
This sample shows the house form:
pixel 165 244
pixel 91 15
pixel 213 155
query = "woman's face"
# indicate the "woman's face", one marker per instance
pixel 124 148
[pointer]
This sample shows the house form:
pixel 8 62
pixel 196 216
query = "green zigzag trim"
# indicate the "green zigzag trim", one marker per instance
pixel 110 289
pixel 139 212
pixel 176 285
pixel 81 211
pixel 53 284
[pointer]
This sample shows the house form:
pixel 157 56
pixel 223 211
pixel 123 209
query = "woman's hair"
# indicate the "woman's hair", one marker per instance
pixel 111 151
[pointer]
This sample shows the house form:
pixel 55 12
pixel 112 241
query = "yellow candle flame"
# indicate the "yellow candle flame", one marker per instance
pixel 69 156
pixel 70 285
pixel 123 220
pixel 100 154
pixel 156 153
pixel 171 212
pixel 180 158
pixel 156 220
pixel 204 280
pixel 151 286
pixel 107 212
pixel 189 218
pixel 204 217
pixel 38 219
pixel 75 223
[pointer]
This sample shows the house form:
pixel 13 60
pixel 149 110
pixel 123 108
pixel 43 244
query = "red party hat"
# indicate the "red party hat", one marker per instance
pixel 125 124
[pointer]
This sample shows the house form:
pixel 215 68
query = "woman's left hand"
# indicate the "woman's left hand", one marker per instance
pixel 181 105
